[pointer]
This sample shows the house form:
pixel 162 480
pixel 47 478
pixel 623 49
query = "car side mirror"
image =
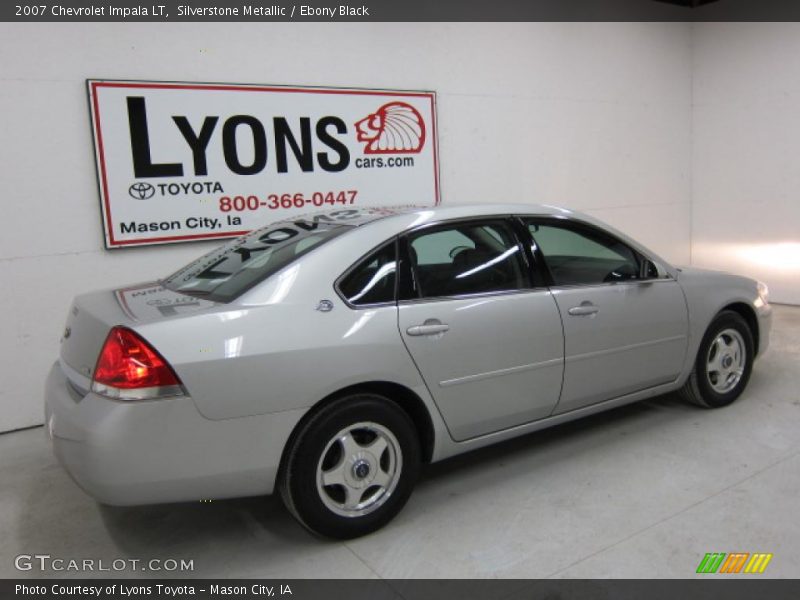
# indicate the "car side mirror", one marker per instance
pixel 649 270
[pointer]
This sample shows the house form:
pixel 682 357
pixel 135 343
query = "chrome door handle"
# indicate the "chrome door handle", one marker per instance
pixel 429 327
pixel 586 309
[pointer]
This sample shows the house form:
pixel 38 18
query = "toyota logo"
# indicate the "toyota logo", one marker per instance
pixel 141 191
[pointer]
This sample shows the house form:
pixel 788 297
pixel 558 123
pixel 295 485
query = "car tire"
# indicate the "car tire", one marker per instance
pixel 351 467
pixel 723 363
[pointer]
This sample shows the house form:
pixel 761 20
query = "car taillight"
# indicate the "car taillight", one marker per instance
pixel 129 368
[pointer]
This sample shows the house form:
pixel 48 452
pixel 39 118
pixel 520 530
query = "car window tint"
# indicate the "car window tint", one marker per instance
pixel 373 279
pixel 227 272
pixel 436 248
pixel 578 256
pixel 467 258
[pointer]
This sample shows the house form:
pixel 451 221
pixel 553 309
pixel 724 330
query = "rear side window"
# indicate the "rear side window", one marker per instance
pixel 373 280
pixel 227 272
pixel 467 258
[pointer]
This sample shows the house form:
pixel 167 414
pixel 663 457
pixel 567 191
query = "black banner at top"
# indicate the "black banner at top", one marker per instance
pixel 398 10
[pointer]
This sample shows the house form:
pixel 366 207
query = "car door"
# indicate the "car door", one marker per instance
pixel 486 338
pixel 625 324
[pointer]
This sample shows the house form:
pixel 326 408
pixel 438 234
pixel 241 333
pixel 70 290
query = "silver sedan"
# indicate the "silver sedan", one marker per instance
pixel 329 356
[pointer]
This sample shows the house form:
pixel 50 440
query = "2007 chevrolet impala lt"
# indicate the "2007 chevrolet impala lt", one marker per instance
pixel 329 356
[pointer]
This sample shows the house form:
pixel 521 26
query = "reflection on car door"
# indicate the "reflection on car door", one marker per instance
pixel 488 343
pixel 625 328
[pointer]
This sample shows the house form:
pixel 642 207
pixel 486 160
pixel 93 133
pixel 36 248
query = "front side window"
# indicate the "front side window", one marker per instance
pixel 227 272
pixel 467 258
pixel 372 281
pixel 579 255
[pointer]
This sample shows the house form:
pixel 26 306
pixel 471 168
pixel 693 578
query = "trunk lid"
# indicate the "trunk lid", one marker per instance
pixel 92 316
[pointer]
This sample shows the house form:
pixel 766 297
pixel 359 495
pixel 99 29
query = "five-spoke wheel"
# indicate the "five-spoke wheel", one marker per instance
pixel 726 360
pixel 359 468
pixel 351 466
pixel 723 363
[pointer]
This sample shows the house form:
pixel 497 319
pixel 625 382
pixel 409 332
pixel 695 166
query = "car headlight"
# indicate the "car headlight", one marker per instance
pixel 763 294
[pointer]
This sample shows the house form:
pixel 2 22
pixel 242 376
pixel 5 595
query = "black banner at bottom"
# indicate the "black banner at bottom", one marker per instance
pixel 734 588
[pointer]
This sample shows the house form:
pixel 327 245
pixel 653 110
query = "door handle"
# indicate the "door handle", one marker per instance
pixel 429 327
pixel 586 309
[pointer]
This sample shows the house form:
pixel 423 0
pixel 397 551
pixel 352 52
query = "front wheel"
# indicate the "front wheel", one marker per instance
pixel 351 467
pixel 723 364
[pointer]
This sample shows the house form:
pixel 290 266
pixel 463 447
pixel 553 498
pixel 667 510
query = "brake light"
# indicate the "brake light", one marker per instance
pixel 129 368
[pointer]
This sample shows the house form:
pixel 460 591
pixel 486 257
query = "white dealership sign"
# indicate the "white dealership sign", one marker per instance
pixel 192 161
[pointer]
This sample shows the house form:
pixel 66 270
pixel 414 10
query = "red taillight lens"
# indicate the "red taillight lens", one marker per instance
pixel 127 362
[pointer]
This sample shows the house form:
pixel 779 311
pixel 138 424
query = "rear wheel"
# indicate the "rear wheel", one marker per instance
pixel 723 364
pixel 352 466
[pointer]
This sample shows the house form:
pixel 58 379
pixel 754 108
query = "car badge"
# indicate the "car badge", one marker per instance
pixel 325 306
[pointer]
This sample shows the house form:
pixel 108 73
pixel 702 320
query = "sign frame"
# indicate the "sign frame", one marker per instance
pixel 94 84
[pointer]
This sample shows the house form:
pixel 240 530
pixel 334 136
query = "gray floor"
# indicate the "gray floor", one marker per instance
pixel 642 491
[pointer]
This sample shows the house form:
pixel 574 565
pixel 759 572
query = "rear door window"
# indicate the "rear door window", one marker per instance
pixel 467 258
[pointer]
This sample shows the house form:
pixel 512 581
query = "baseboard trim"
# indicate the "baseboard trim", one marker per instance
pixel 22 429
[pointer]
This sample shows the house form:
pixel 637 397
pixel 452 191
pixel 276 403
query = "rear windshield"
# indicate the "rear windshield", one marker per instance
pixel 227 272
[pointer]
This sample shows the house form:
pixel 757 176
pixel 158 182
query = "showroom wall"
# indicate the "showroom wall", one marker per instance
pixel 592 116
pixel 746 152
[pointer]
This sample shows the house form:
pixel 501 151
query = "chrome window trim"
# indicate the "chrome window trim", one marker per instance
pixel 537 290
pixel 570 286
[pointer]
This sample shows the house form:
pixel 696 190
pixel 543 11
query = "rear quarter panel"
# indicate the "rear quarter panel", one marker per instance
pixel 281 357
pixel 272 351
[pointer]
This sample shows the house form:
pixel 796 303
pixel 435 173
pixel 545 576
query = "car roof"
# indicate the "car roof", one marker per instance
pixel 363 216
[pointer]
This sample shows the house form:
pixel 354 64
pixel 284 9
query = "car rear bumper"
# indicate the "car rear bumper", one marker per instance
pixel 147 452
